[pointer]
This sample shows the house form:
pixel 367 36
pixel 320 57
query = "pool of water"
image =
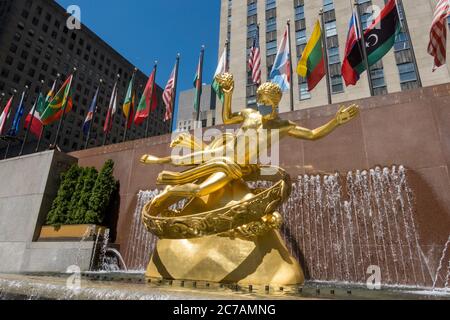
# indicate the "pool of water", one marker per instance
pixel 134 286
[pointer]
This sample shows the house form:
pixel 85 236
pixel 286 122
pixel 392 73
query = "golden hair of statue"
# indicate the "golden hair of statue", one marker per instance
pixel 228 232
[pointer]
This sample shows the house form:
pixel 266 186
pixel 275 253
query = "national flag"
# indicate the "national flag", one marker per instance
pixel 379 37
pixel 112 109
pixel 312 62
pixel 198 83
pixel 221 68
pixel 254 61
pixel 34 117
pixel 168 95
pixel 281 70
pixel 438 34
pixel 128 104
pixel 90 114
pixel 50 94
pixel 18 117
pixel 59 104
pixel 149 100
pixel 5 115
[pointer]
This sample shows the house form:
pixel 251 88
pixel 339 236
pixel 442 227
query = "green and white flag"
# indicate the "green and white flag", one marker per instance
pixel 221 68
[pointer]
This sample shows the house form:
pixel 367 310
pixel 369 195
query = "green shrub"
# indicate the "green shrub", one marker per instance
pixel 101 194
pixel 60 207
pixel 84 196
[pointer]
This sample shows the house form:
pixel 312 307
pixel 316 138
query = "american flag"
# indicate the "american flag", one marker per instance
pixel 438 34
pixel 254 62
pixel 168 95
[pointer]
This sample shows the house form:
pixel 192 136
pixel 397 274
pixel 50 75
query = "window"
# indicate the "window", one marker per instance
pixel 333 55
pixel 304 93
pixel 401 42
pixel 337 85
pixel 330 28
pixel 300 13
pixel 407 72
pixel 377 78
pixel 300 37
pixel 271 4
pixel 328 5
pixel 271 25
pixel 272 48
pixel 252 9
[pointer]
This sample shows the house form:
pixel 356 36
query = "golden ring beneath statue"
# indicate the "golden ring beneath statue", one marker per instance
pixel 245 218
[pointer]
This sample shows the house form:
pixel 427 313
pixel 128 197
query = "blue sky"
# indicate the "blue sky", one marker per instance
pixel 147 30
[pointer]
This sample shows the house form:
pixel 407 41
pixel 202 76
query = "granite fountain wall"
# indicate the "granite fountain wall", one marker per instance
pixel 409 129
pixel 28 186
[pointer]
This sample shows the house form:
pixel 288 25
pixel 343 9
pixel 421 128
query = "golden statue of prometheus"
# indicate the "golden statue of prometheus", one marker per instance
pixel 226 231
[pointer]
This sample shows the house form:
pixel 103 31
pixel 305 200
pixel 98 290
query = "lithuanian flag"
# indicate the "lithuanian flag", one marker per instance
pixel 58 105
pixel 312 63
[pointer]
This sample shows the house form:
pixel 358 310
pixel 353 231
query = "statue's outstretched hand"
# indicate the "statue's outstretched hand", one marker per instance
pixel 226 82
pixel 345 114
pixel 148 159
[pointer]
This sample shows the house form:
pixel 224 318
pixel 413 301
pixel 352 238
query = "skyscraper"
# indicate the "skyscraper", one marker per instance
pixel 35 45
pixel 396 71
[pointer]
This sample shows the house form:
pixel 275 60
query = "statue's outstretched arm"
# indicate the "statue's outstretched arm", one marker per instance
pixel 226 83
pixel 343 116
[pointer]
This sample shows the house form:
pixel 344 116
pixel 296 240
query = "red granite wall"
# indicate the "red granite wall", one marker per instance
pixel 410 129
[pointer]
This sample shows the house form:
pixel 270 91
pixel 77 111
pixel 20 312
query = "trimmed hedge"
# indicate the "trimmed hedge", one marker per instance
pixel 83 197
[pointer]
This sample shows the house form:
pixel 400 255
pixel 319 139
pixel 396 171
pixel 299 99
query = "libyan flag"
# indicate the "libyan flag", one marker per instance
pixel 379 38
pixel 61 103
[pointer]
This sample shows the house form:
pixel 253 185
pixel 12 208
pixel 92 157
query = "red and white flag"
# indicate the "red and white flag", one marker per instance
pixel 112 109
pixel 168 95
pixel 438 34
pixel 5 115
pixel 254 61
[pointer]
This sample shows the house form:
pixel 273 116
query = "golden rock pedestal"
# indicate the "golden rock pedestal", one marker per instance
pixel 263 261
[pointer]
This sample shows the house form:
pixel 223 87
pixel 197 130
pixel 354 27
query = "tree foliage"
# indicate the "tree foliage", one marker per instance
pixel 84 196
pixel 60 207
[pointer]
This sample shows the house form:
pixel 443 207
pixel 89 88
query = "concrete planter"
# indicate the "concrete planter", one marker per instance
pixel 86 232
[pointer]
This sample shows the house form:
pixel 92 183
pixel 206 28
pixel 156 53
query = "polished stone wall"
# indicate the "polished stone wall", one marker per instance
pixel 27 189
pixel 409 128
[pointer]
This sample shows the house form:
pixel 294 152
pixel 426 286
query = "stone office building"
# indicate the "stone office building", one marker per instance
pixel 395 73
pixel 35 45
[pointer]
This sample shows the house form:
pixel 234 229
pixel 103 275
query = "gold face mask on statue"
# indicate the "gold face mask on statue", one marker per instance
pixel 228 232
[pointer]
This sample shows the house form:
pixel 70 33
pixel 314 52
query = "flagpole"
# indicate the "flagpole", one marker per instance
pixel 7 116
pixel 175 85
pixel 291 84
pixel 325 56
pixel 131 108
pixel 25 139
pixel 363 49
pixel 147 125
pixel 43 127
pixel 405 26
pixel 92 120
pixel 111 120
pixel 200 82
pixel 227 56
pixel 63 116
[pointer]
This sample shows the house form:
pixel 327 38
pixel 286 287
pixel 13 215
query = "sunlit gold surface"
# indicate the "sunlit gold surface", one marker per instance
pixel 228 232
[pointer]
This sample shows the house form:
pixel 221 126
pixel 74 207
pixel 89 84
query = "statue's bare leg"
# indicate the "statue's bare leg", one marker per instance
pixel 212 184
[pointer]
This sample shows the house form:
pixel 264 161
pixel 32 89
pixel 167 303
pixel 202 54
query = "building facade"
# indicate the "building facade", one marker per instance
pixel 186 115
pixel 396 71
pixel 35 45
